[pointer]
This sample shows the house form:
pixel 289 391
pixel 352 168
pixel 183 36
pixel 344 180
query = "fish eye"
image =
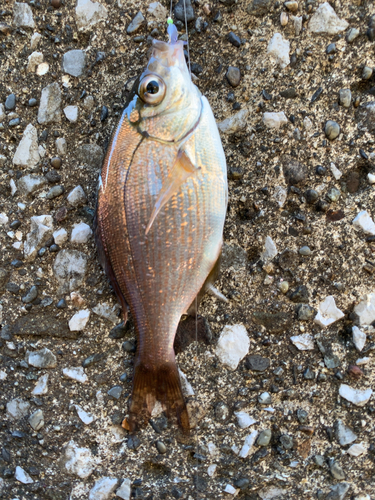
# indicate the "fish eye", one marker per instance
pixel 152 90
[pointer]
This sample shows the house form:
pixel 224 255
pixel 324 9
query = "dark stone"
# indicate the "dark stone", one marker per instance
pixel 13 288
pixel 273 322
pixel 179 11
pixel 93 359
pixel 316 95
pixel 266 95
pixel 311 196
pixel 289 93
pixel 5 455
pixel 119 331
pixel 133 442
pixel 234 39
pixel 302 416
pixel 300 294
pixel 309 374
pixel 294 172
pixel 4 276
pixel 128 346
pixel 61 304
pixel 305 312
pixel 42 324
pixel 257 363
pixel 235 173
pixel 159 424
pixel 53 177
pixel 331 48
pixel 103 113
pixel 189 330
pixel 196 69
pixel 289 260
pixel 16 263
pixel 115 392
pixel 322 206
pixel 286 441
pixel 352 182
pixel 242 483
pixel 259 455
pixel 31 295
pixel 117 417
pixel 259 7
pixel 233 76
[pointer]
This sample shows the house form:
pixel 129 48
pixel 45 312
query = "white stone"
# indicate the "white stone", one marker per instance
pixel 81 233
pixel 61 147
pixel 50 104
pixel 33 60
pixel 280 195
pixel 17 408
pixel 2 118
pixel 231 490
pixel 232 346
pixel 124 491
pixel 248 444
pixel 362 361
pixel 28 184
pixel 362 496
pixel 275 120
pixel 278 49
pixel 344 434
pixel 186 387
pixel 22 476
pixel 79 320
pixel 355 396
pixel 60 236
pixel 307 123
pixel 103 488
pixel 41 386
pixel 79 461
pixel 364 221
pixel 328 313
pixel 89 13
pixel 107 311
pixel 3 219
pixel 42 69
pixel 357 449
pixel 359 338
pixel 71 112
pixel 74 62
pixel 44 358
pixel 77 197
pixel 23 15
pixel 271 492
pixel 36 420
pixel 298 25
pixel 157 11
pixel 27 154
pixel 243 419
pixel 371 178
pixel 211 469
pixel 76 373
pixel 234 123
pixel 270 250
pixel 34 40
pixel 365 310
pixel 86 417
pixel 70 268
pixel 41 230
pixel 13 187
pixel 3 375
pixel 326 22
pixel 304 342
pixel 335 171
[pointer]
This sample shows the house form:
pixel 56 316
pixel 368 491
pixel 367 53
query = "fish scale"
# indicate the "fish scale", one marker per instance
pixel 160 215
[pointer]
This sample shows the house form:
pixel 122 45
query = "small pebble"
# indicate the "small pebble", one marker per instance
pixel 305 251
pixel 331 48
pixel 160 446
pixel 283 287
pixel 311 196
pixel 233 76
pixel 264 438
pixel 332 130
pixel 234 39
pixel 56 162
pixel 366 73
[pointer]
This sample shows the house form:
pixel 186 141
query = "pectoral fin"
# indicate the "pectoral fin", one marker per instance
pixel 182 169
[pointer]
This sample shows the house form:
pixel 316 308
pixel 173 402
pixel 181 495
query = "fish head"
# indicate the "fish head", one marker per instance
pixel 167 105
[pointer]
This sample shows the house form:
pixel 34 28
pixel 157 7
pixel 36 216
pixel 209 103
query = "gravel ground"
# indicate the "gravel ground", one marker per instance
pixel 296 184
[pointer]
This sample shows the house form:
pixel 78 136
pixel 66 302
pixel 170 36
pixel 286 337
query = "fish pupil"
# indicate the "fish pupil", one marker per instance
pixel 152 87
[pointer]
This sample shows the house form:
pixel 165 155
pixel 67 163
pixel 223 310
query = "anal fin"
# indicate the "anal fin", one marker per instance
pixel 182 169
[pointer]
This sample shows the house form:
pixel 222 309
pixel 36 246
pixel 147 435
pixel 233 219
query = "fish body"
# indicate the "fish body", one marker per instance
pixel 161 209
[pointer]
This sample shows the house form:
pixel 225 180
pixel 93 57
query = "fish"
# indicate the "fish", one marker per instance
pixel 161 207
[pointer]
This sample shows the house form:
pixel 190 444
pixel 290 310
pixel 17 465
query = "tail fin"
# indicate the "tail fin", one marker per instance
pixel 157 383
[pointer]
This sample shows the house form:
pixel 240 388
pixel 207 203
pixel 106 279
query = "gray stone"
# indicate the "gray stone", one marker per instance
pixel 10 101
pixel 41 229
pixel 43 358
pixel 89 13
pixel 305 251
pixel 338 492
pixel 70 268
pixel 257 363
pixel 319 460
pixel 265 399
pixel 344 434
pixel 259 7
pixel 365 116
pixel 179 11
pixel 36 420
pixel 367 73
pixel 136 23
pixel 74 62
pixel 295 173
pixel 54 192
pixel 77 197
pixel 27 154
pixel 332 130
pixel 264 438
pixel 115 392
pixel 23 15
pixel 50 104
pixel 234 123
pixel 103 488
pixel 302 416
pixel 300 294
pixel 233 256
pixel 61 146
pixel 345 97
pixel 233 76
pixel 286 441
pixel 352 34
pixel 31 295
pixel 305 312
pixel 336 471
pixel 30 183
pixel 160 446
pixel 17 408
pixel 124 491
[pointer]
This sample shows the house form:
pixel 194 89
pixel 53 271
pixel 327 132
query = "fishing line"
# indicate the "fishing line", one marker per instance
pixel 187 37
